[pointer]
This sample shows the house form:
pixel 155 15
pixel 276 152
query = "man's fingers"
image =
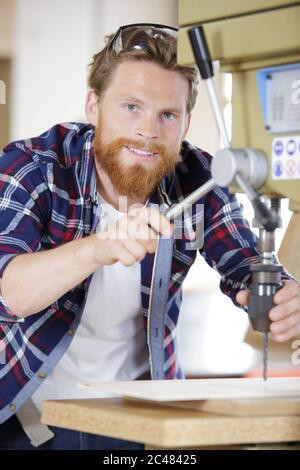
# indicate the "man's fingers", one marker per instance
pixel 285 309
pixel 286 335
pixel 285 316
pixel 121 253
pixel 138 230
pixel 289 290
pixel 154 218
pixel 242 297
pixel 135 248
pixel 280 327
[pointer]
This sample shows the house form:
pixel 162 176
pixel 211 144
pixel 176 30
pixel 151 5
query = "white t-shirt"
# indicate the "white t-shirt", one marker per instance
pixel 110 342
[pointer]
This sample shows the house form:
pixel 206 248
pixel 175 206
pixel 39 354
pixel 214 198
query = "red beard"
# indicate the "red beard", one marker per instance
pixel 135 180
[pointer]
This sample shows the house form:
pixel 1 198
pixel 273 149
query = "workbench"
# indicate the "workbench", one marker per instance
pixel 160 426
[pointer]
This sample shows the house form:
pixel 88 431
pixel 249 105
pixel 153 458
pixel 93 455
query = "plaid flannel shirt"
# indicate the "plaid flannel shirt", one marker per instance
pixel 48 197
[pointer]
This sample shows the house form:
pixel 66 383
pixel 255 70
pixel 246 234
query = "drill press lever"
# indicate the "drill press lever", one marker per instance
pixel 248 169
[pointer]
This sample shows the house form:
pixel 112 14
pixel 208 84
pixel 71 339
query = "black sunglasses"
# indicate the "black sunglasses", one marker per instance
pixel 151 29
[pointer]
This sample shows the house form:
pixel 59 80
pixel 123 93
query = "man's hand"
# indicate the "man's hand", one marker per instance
pixel 285 316
pixel 131 237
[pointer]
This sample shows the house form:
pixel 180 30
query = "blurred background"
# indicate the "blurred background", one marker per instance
pixel 45 48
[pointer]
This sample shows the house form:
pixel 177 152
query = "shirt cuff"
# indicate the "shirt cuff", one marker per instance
pixel 5 313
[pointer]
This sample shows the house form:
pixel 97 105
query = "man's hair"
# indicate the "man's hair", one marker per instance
pixel 161 50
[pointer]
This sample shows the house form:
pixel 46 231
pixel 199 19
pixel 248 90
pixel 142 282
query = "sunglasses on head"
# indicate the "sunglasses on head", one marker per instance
pixel 150 29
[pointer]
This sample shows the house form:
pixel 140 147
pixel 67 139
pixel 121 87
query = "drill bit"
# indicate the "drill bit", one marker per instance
pixel 265 358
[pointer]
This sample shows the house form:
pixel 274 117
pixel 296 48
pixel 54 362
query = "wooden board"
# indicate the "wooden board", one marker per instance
pixel 164 427
pixel 244 407
pixel 240 397
pixel 202 389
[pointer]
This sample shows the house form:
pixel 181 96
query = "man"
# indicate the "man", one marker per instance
pixel 79 233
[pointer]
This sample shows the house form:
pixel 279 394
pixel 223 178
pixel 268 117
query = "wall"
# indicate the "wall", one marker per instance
pixel 6 31
pixel 5 66
pixel 6 34
pixel 53 42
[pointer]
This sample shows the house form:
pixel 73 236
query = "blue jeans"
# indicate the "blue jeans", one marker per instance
pixel 12 437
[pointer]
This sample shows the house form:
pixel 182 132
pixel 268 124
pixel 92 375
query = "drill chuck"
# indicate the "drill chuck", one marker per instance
pixel 266 280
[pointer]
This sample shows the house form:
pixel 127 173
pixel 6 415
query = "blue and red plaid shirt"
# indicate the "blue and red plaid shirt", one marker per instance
pixel 48 197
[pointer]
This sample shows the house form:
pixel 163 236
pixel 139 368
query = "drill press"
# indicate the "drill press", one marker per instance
pixel 264 153
pixel 246 168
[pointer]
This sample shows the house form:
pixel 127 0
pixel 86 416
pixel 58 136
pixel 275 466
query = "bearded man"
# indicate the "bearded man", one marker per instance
pixel 81 213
